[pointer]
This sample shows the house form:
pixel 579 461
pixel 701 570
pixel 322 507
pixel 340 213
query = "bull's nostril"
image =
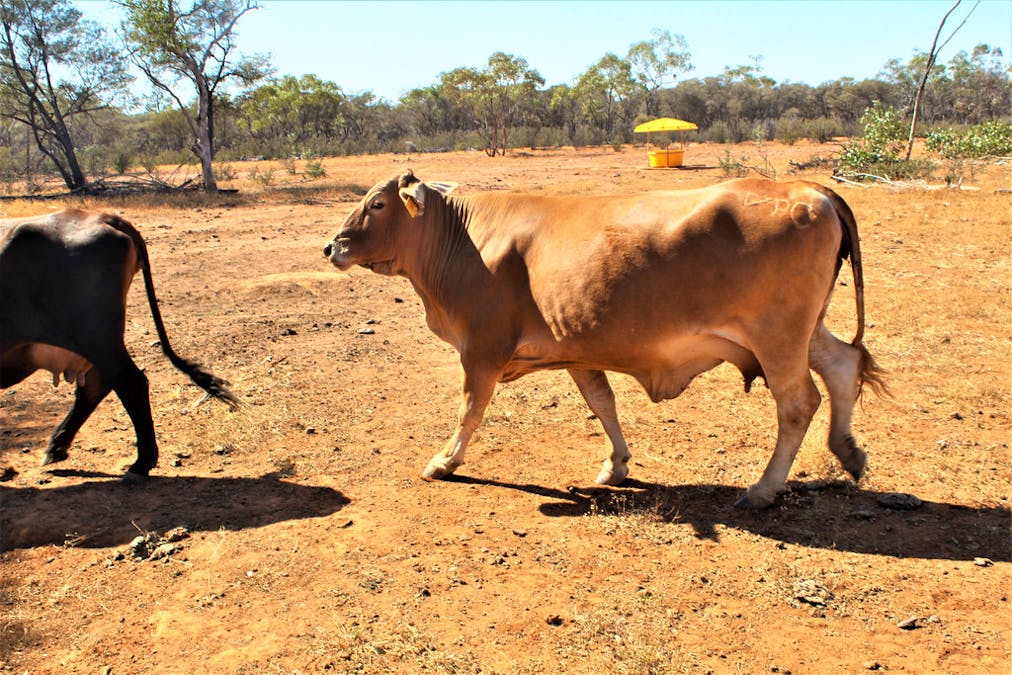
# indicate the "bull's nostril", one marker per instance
pixel 327 250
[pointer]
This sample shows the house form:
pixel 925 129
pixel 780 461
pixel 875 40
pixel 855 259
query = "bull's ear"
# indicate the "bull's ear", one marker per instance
pixel 413 194
pixel 413 197
pixel 443 187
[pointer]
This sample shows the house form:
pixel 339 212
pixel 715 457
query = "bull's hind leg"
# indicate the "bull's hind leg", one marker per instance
pixel 839 365
pixel 86 399
pixel 122 375
pixel 797 399
pixel 599 396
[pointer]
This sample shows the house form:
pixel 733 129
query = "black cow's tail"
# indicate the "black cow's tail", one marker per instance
pixel 212 384
pixel 870 372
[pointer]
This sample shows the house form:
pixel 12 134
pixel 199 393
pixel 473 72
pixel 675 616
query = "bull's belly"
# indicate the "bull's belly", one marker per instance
pixel 664 366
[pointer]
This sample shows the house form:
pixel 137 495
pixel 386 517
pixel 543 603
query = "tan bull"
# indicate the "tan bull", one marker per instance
pixel 661 286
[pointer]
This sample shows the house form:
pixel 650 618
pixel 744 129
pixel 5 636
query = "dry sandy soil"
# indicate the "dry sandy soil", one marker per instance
pixel 311 544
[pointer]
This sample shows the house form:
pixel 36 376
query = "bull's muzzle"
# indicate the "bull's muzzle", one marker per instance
pixel 336 251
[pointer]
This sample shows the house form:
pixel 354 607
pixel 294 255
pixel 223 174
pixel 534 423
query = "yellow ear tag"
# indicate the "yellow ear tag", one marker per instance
pixel 412 206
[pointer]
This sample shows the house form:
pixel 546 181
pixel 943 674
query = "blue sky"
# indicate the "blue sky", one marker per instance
pixel 391 47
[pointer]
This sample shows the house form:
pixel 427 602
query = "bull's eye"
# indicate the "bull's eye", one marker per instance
pixel 376 205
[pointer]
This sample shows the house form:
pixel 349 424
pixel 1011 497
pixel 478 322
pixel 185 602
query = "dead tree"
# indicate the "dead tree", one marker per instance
pixel 932 55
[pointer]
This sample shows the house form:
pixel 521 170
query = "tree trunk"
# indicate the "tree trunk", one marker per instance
pixel 63 156
pixel 204 147
pixel 77 178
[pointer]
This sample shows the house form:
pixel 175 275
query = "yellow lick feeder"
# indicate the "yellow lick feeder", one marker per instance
pixel 666 157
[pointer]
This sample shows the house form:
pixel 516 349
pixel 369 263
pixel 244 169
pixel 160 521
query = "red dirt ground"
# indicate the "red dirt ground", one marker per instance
pixel 312 545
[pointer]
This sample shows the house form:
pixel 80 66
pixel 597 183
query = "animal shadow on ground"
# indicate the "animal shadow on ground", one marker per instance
pixel 103 513
pixel 823 514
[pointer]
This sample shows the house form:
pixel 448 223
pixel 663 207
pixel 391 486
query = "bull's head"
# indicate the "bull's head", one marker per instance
pixel 375 232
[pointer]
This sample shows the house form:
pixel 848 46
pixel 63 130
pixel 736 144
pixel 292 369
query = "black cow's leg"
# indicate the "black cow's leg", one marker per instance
pixel 131 386
pixel 86 399
pixel 132 389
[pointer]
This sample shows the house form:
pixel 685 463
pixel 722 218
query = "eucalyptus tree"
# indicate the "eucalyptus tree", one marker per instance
pixel 656 63
pixel 498 96
pixel 980 87
pixel 192 46
pixel 563 109
pixel 605 93
pixel 428 110
pixel 289 113
pixel 57 68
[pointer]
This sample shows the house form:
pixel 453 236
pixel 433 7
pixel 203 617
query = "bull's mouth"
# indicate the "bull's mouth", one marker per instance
pixel 384 267
pixel 340 255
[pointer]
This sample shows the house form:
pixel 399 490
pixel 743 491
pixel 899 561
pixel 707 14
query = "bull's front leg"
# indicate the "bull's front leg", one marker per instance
pixel 477 392
pixel 599 396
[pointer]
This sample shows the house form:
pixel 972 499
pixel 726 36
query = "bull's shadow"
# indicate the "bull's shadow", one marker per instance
pixel 101 513
pixel 836 515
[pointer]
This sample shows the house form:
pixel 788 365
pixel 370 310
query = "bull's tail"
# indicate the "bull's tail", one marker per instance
pixel 212 384
pixel 870 373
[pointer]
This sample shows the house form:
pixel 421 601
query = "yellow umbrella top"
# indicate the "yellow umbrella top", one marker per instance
pixel 665 124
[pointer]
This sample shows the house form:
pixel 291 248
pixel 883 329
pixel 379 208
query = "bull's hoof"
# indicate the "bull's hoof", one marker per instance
pixel 132 478
pixel 439 467
pixel 612 476
pixel 54 455
pixel 856 463
pixel 755 500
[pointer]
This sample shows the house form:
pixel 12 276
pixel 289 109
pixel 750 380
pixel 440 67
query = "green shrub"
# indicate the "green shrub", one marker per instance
pixel 718 132
pixel 122 161
pixel 94 161
pixel 265 177
pixel 993 137
pixel 587 136
pixel 789 130
pixel 225 172
pixel 824 129
pixel 877 152
pixel 733 167
pixel 314 169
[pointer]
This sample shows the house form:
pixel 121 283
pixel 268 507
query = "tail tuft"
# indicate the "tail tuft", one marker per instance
pixel 212 384
pixel 872 374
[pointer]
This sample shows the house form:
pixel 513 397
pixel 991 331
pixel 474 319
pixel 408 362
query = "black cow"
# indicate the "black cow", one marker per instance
pixel 63 287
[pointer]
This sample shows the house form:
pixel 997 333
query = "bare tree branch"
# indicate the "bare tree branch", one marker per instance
pixel 932 56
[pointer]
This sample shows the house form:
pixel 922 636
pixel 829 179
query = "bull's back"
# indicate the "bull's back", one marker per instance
pixel 659 264
pixel 60 271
